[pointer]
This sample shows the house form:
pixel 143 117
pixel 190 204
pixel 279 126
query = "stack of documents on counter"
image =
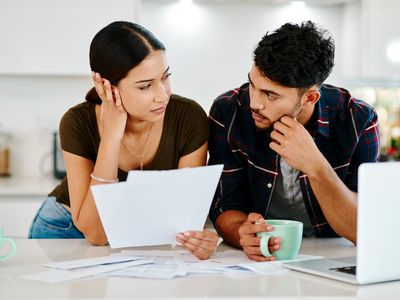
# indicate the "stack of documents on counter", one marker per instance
pixel 159 265
pixel 77 269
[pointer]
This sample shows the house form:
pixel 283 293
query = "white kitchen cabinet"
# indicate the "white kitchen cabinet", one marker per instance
pixel 52 37
pixel 20 198
pixel 17 212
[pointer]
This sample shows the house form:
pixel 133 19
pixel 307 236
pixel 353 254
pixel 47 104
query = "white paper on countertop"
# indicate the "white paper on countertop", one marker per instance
pixel 91 262
pixel 225 262
pixel 151 207
pixel 238 257
pixel 164 267
pixel 58 276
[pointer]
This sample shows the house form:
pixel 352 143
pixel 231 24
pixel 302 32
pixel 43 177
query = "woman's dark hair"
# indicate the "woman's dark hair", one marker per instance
pixel 116 49
pixel 297 56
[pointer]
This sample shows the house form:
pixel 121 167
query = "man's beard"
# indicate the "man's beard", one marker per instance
pixel 294 114
pixel 296 110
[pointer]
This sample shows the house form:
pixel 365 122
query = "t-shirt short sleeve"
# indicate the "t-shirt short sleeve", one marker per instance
pixel 194 128
pixel 78 131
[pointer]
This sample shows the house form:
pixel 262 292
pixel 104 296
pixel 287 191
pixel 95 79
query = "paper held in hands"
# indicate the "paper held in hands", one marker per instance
pixel 151 207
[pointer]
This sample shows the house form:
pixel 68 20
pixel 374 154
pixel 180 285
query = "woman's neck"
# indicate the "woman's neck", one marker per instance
pixel 137 127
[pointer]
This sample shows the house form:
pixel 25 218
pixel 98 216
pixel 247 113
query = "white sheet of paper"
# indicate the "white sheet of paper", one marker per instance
pixel 238 257
pixel 90 262
pixel 224 262
pixel 164 267
pixel 185 263
pixel 230 257
pixel 57 276
pixel 271 268
pixel 151 207
pixel 301 257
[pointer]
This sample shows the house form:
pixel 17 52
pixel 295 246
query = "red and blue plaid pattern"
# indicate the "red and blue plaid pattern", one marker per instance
pixel 344 129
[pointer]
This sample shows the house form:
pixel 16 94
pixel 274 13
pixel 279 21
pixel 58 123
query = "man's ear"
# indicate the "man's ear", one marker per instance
pixel 312 96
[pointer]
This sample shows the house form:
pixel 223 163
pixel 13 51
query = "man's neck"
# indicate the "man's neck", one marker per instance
pixel 306 115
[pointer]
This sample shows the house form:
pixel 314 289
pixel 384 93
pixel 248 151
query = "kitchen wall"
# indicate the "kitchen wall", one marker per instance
pixel 30 109
pixel 44 70
pixel 209 46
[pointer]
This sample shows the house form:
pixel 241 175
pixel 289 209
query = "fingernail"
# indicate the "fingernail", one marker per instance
pixel 180 236
pixel 269 228
pixel 186 233
pixel 276 247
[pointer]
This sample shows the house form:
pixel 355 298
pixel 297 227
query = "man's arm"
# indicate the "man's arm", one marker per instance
pixel 228 224
pixel 338 203
pixel 239 229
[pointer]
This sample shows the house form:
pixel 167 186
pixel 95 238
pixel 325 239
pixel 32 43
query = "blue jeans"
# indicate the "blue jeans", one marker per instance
pixel 53 221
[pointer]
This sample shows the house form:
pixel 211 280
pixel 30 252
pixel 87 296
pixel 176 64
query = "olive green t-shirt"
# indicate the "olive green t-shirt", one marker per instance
pixel 185 129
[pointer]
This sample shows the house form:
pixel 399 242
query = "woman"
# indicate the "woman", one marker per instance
pixel 129 121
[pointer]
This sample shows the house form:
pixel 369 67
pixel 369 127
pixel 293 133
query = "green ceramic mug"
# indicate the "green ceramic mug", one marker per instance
pixel 290 232
pixel 10 248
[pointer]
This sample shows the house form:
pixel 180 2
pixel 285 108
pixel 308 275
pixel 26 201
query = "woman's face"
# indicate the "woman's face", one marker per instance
pixel 146 90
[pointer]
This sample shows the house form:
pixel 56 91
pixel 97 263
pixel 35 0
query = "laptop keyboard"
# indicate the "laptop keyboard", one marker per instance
pixel 349 269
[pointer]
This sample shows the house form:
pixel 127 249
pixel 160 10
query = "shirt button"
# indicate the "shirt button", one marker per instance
pixel 269 185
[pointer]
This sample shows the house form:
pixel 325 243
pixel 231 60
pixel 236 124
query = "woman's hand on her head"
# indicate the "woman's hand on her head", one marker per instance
pixel 113 115
pixel 202 244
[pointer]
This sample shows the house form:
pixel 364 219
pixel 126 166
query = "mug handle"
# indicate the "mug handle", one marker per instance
pixel 13 246
pixel 264 244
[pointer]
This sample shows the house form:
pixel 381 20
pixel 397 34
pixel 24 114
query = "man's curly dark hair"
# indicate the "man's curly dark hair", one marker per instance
pixel 297 56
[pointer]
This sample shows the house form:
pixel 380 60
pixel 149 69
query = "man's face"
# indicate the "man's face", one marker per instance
pixel 270 101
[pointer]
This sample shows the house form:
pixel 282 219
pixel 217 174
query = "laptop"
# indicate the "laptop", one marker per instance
pixel 378 231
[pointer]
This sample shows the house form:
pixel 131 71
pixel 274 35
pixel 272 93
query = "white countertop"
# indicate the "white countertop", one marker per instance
pixel 293 285
pixel 25 186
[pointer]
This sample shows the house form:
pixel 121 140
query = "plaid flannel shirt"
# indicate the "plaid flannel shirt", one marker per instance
pixel 345 131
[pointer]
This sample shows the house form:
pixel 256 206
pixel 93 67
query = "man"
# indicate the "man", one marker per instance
pixel 291 145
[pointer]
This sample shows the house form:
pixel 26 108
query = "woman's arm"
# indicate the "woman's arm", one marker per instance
pixel 83 209
pixel 195 159
pixel 112 124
